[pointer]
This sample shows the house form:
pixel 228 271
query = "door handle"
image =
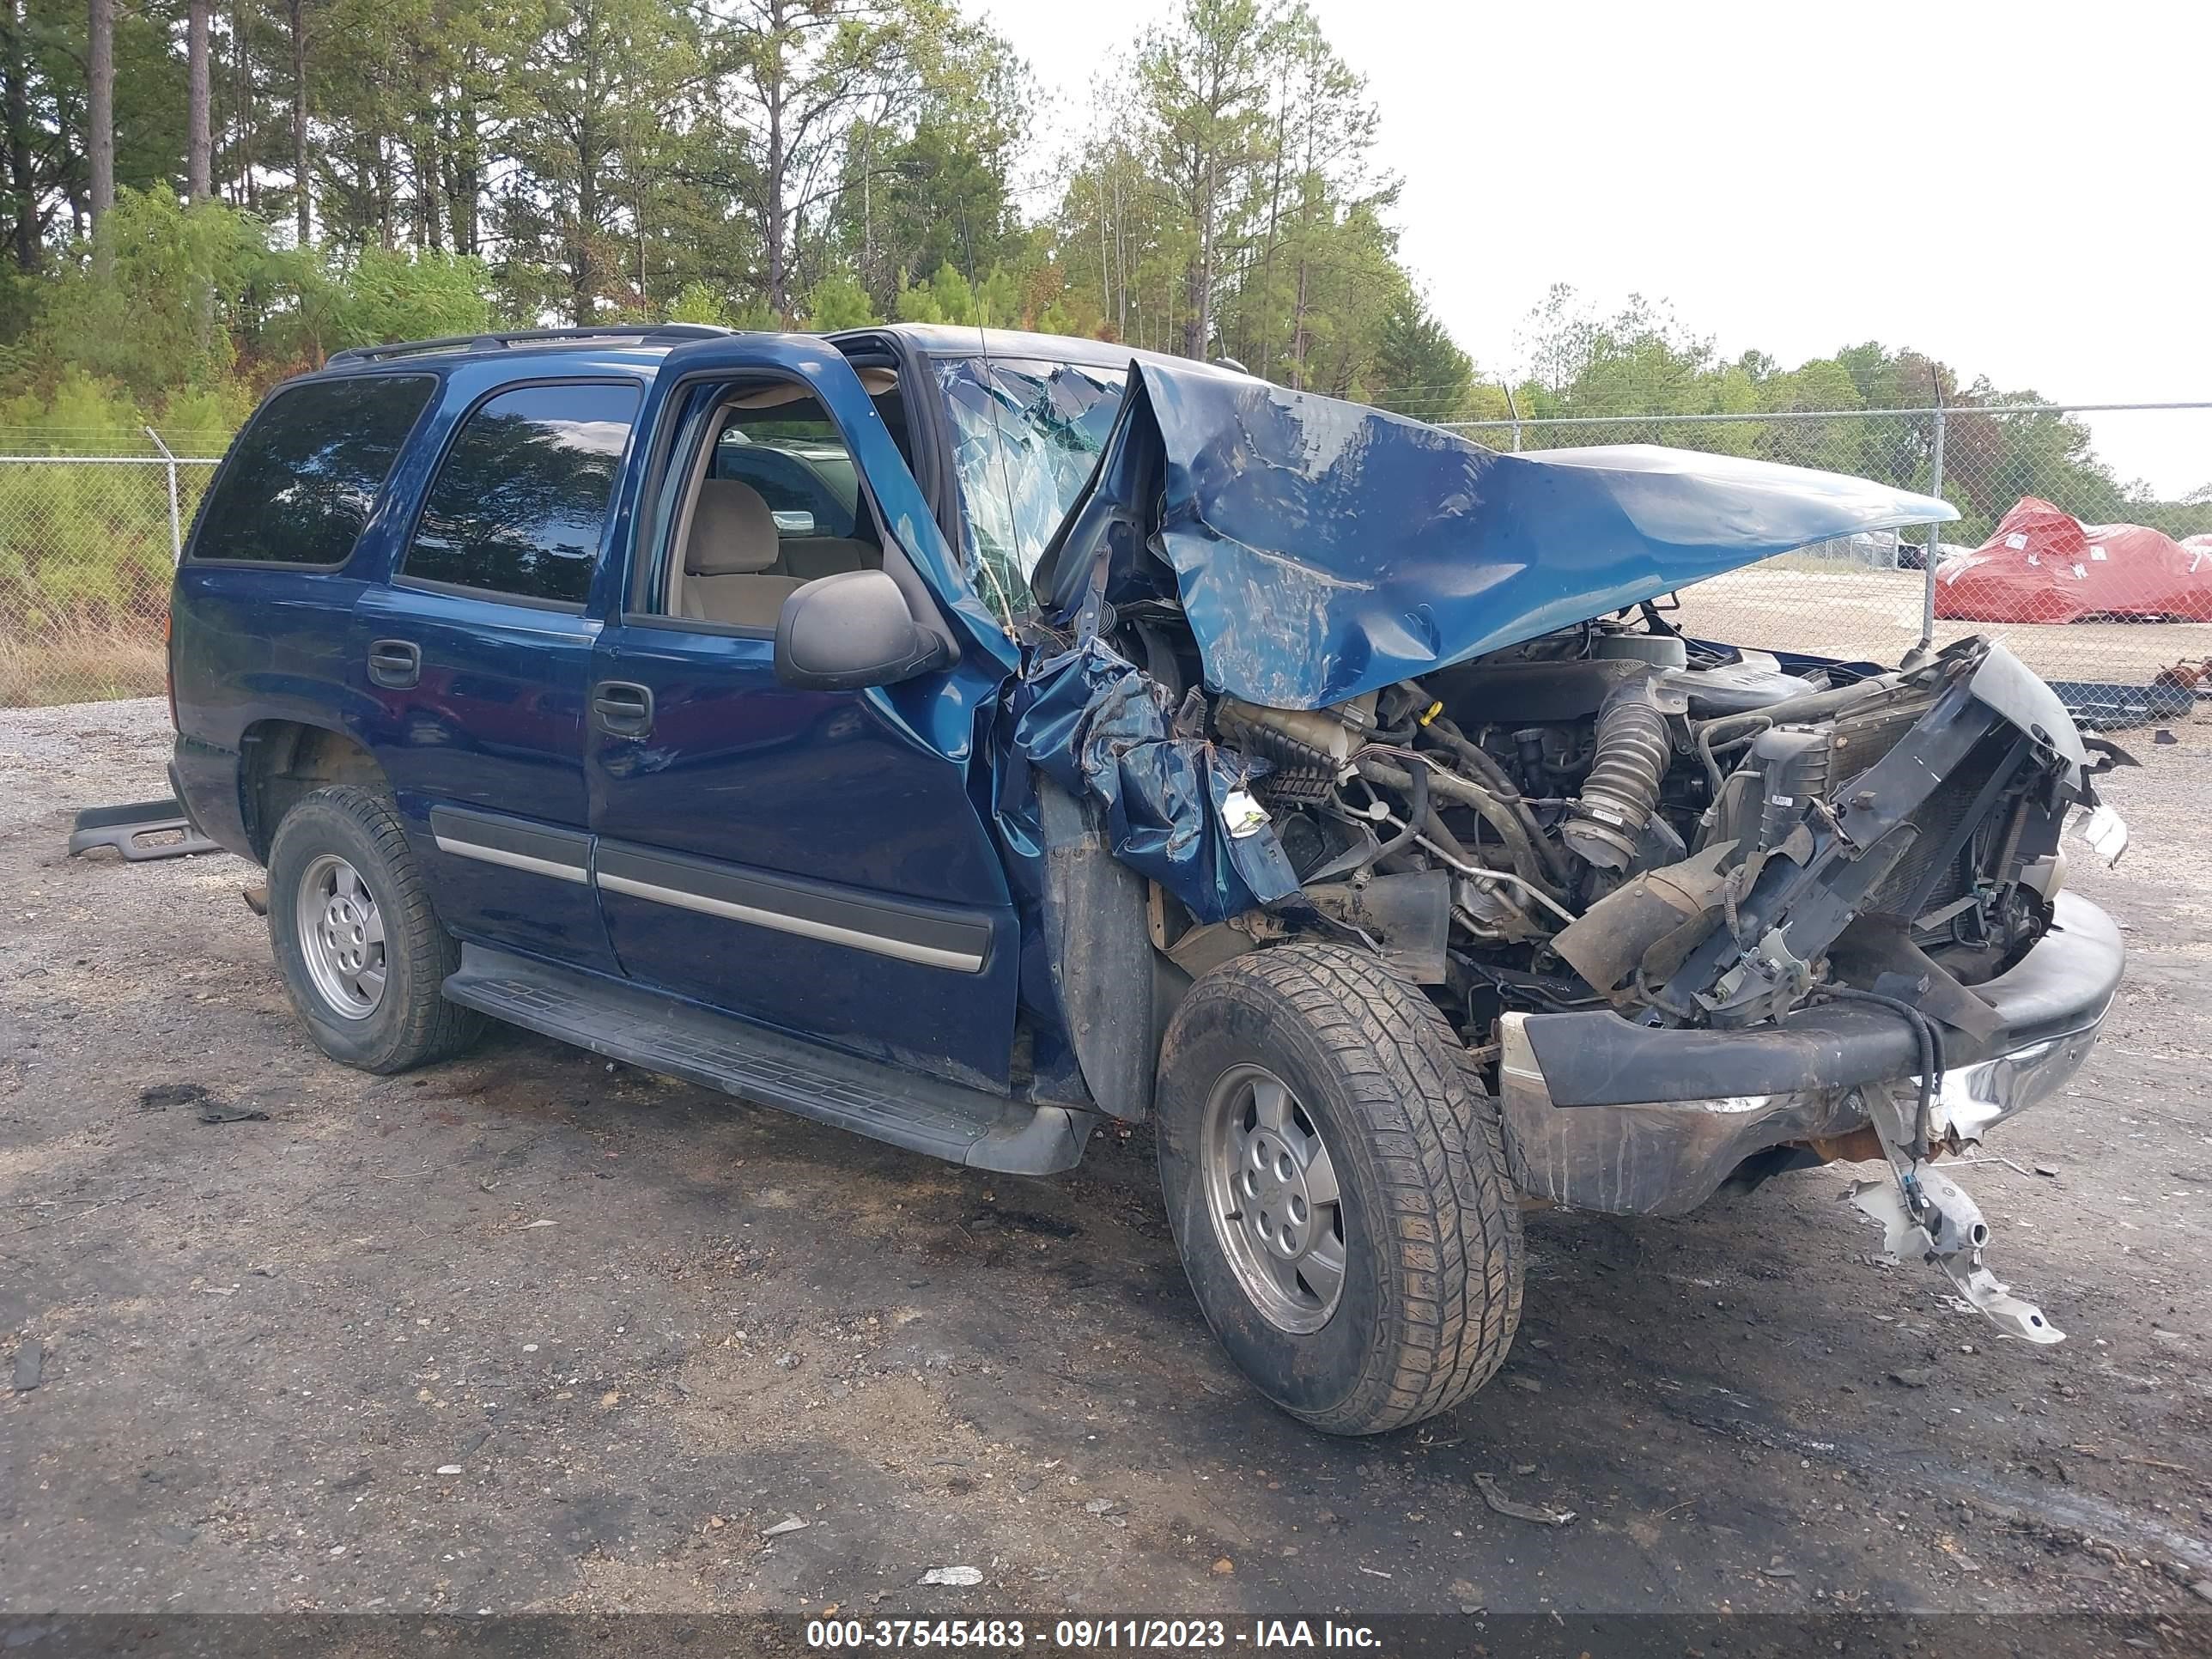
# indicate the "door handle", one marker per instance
pixel 624 708
pixel 395 663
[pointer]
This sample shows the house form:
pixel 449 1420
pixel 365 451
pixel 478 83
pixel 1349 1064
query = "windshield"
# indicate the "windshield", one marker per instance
pixel 1026 435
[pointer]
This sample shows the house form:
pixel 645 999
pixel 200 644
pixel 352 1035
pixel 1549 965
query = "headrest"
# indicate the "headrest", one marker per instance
pixel 732 532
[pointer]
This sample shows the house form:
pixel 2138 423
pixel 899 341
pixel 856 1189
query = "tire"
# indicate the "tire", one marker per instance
pixel 1429 1232
pixel 405 1022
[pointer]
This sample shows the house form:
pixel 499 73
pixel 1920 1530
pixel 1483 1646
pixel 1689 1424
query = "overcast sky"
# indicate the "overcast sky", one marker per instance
pixel 2023 190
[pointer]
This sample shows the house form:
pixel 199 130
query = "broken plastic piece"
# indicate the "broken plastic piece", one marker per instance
pixel 2106 832
pixel 1905 1237
pixel 1242 816
pixel 1928 1215
pixel 130 829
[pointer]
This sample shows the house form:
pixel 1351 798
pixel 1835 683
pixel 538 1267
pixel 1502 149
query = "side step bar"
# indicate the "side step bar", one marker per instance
pixel 658 1033
pixel 123 828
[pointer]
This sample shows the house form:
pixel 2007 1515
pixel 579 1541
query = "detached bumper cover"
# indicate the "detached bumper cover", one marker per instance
pixel 1603 1115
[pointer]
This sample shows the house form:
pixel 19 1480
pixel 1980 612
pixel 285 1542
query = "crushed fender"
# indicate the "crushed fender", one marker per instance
pixel 1176 808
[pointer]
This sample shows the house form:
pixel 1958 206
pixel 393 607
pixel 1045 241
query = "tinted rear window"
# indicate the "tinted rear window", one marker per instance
pixel 302 478
pixel 521 501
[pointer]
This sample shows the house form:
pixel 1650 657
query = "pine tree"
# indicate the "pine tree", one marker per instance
pixel 1418 368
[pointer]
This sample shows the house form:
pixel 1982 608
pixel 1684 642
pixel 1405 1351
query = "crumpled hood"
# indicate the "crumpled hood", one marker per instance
pixel 1323 549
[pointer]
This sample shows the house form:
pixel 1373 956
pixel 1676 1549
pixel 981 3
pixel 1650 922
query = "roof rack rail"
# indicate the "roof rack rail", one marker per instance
pixel 500 339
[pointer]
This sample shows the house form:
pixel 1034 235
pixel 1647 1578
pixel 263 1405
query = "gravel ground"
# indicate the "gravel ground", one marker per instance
pixel 530 1332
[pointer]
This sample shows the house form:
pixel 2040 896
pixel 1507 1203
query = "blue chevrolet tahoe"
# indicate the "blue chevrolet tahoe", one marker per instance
pixel 965 737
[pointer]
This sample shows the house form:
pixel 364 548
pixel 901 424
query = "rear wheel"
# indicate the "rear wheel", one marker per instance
pixel 1336 1180
pixel 362 952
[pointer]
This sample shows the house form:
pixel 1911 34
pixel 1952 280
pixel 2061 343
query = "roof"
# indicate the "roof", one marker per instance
pixel 488 358
pixel 500 341
pixel 962 340
pixel 640 347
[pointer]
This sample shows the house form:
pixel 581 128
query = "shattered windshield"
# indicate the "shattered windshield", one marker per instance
pixel 1026 435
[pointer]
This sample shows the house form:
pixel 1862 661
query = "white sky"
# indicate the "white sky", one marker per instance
pixel 2023 190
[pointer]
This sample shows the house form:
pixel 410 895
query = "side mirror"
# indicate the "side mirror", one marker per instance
pixel 841 633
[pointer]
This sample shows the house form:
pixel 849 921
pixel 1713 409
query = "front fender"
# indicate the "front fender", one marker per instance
pixel 1099 952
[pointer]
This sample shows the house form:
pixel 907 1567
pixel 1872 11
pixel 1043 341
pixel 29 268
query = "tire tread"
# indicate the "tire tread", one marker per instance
pixel 1453 1287
pixel 430 1027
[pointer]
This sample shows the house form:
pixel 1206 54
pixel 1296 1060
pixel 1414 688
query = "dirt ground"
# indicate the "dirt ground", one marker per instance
pixel 530 1332
pixel 1855 613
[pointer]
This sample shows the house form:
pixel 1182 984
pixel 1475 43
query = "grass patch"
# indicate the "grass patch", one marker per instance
pixel 82 662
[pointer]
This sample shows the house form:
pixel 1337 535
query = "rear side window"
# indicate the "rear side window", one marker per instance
pixel 521 504
pixel 302 478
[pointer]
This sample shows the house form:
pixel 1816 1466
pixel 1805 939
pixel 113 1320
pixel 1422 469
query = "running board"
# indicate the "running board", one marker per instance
pixel 125 828
pixel 659 1033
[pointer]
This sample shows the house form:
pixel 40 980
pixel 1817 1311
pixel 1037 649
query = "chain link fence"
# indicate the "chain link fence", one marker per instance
pixel 2042 557
pixel 91 526
pixel 2102 588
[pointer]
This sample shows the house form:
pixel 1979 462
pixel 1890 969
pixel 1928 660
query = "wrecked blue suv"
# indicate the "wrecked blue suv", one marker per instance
pixel 962 738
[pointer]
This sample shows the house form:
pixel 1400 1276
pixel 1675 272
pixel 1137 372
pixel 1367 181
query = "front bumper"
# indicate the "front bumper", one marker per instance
pixel 1603 1115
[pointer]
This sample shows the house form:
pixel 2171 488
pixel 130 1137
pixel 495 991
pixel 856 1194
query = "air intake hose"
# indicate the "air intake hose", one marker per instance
pixel 1628 757
pixel 1793 762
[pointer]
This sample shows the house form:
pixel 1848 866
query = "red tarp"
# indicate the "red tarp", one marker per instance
pixel 2041 565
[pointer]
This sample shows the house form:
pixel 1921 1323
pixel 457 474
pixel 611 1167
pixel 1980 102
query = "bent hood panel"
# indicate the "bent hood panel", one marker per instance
pixel 1323 548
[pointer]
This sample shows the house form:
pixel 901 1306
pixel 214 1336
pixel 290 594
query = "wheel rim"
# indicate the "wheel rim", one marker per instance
pixel 341 937
pixel 1271 1193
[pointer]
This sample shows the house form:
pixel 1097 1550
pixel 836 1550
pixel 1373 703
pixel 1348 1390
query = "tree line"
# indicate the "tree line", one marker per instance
pixel 758 163
pixel 1584 367
pixel 202 195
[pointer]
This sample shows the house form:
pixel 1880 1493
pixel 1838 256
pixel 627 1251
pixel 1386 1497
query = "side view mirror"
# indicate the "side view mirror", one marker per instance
pixel 841 633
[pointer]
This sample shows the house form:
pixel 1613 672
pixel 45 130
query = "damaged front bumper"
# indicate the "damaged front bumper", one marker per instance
pixel 1603 1115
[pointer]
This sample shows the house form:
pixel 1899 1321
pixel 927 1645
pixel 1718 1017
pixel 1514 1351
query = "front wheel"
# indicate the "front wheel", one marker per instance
pixel 1336 1180
pixel 363 953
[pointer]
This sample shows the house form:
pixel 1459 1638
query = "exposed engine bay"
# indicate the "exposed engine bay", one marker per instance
pixel 1698 913
pixel 1616 815
pixel 1613 819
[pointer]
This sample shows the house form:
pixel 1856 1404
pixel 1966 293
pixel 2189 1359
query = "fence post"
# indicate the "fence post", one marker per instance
pixel 176 529
pixel 1514 410
pixel 1928 556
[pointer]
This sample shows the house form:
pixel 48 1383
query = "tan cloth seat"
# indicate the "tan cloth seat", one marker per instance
pixel 728 557
pixel 809 557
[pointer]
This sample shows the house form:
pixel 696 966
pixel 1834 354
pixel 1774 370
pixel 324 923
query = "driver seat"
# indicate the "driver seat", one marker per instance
pixel 729 553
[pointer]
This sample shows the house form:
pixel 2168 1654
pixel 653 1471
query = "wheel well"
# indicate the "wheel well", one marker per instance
pixel 284 760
